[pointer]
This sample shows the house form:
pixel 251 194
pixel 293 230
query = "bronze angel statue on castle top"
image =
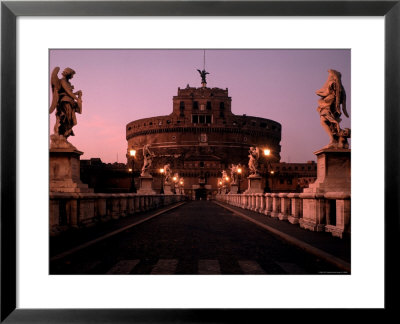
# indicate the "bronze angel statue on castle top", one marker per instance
pixel 65 102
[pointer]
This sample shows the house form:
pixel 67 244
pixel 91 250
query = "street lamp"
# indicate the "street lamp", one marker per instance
pixel 162 181
pixel 132 153
pixel 239 178
pixel 267 154
pixel 220 185
pixel 226 184
pixel 175 179
pixel 181 186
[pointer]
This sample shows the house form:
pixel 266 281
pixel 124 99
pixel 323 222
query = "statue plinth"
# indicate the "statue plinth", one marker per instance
pixel 234 189
pixel 145 187
pixel 333 171
pixel 333 179
pixel 65 169
pixel 167 189
pixel 254 185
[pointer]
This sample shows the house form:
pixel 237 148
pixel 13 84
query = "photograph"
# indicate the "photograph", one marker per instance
pixel 199 161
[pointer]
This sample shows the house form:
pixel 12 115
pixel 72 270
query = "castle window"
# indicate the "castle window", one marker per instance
pixel 253 123
pixel 202 119
pixel 263 125
pixel 201 164
pixel 281 181
pixel 182 105
pixel 168 121
pixel 151 123
pixel 289 181
pixel 221 114
pixel 195 105
pixel 221 105
pixel 209 105
pixel 195 119
pixel 208 119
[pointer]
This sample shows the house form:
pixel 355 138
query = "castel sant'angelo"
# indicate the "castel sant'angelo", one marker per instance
pixel 201 138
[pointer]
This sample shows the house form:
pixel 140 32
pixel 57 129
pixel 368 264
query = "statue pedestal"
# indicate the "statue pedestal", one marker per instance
pixel 145 186
pixel 254 185
pixel 65 170
pixel 234 189
pixel 333 171
pixel 167 189
pixel 327 200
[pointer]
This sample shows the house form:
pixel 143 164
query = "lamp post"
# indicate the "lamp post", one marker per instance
pixel 226 184
pixel 267 154
pixel 175 179
pixel 239 178
pixel 162 181
pixel 181 186
pixel 220 185
pixel 132 153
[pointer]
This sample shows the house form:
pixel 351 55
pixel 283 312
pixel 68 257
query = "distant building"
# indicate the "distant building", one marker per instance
pixel 202 137
pixel 291 177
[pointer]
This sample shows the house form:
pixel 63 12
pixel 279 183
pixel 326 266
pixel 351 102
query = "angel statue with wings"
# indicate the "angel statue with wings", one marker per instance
pixel 65 102
pixel 254 156
pixel 203 74
pixel 234 173
pixel 147 160
pixel 167 171
pixel 333 96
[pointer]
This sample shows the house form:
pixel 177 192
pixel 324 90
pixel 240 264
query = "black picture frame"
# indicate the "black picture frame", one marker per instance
pixel 10 10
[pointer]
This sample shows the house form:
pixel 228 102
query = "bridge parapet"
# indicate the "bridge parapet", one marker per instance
pixel 77 210
pixel 324 212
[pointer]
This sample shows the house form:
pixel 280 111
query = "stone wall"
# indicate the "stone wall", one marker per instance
pixel 329 212
pixel 76 210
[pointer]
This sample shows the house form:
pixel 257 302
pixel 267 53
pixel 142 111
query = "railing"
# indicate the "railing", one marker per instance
pixel 76 210
pixel 329 212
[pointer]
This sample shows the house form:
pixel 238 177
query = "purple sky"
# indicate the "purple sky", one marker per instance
pixel 120 86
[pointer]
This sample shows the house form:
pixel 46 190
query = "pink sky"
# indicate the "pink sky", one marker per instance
pixel 120 86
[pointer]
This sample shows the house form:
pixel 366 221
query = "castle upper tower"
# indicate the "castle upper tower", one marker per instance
pixel 203 106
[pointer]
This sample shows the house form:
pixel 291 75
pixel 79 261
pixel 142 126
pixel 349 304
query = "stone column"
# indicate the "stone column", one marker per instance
pixel 341 224
pixel 262 204
pixel 275 205
pixel 54 210
pixel 314 210
pixel 123 206
pixel 86 209
pixel 101 207
pixel 115 211
pixel 285 207
pixel 297 208
pixel 268 204
pixel 72 212
pixel 136 204
pixel 130 205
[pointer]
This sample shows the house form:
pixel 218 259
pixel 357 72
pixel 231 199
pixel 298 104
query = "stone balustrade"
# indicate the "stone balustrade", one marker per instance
pixel 76 210
pixel 328 212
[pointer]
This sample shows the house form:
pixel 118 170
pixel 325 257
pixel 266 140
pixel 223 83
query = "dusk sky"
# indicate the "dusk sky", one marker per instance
pixel 120 86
